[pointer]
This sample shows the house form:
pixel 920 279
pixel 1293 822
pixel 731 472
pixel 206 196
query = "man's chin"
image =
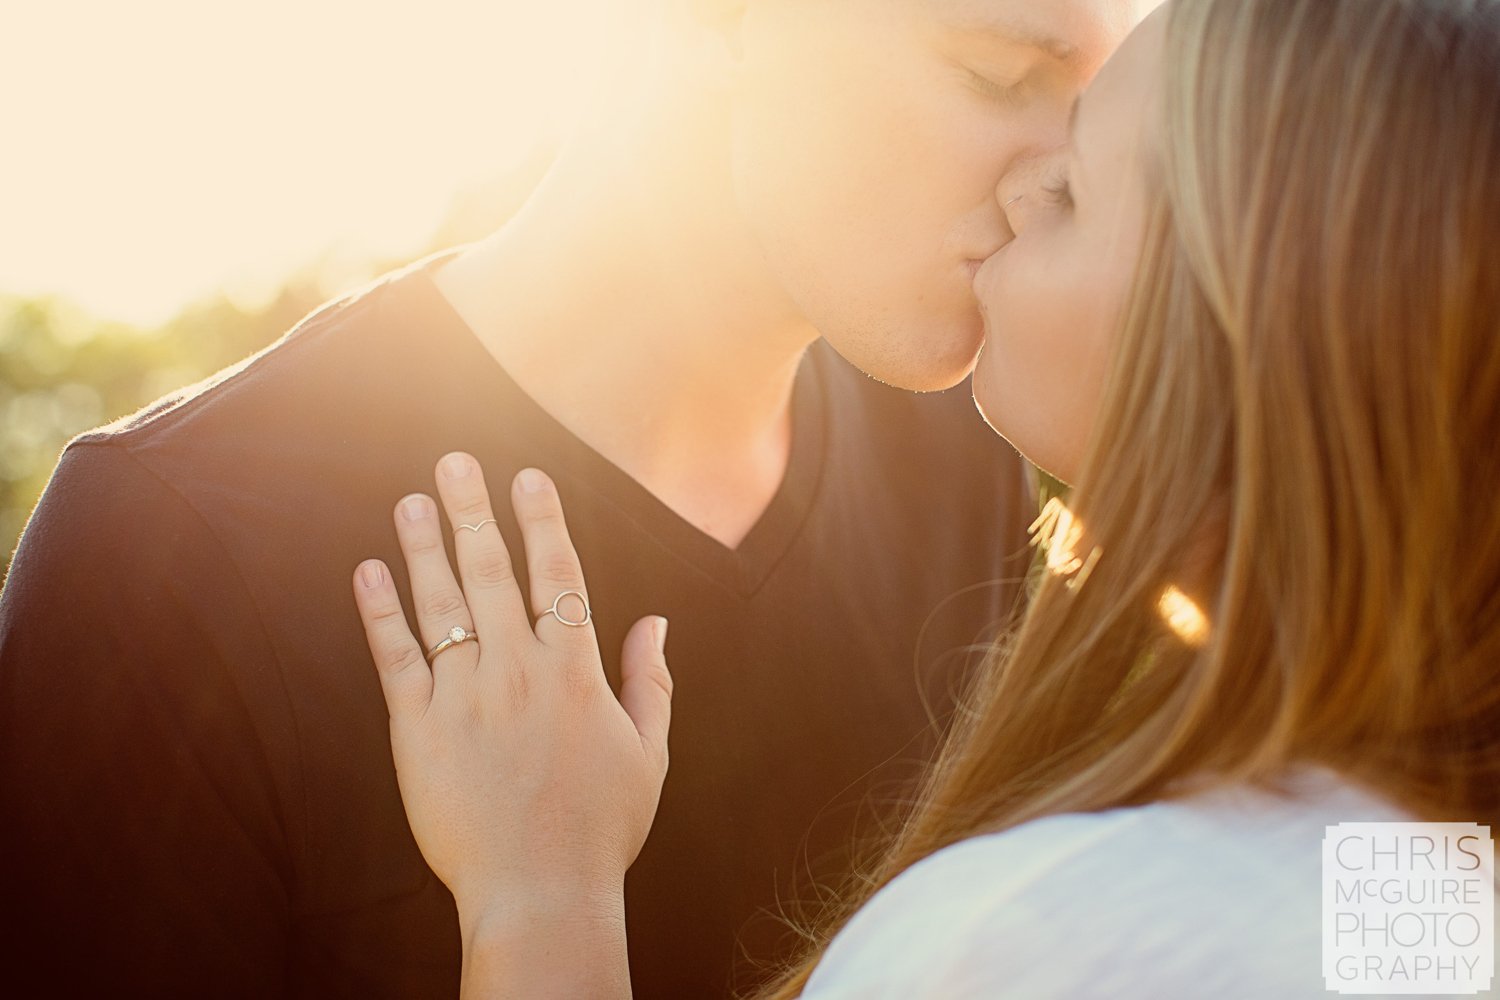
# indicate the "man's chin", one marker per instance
pixel 923 374
pixel 916 371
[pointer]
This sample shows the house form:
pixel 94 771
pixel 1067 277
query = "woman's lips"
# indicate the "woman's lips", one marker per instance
pixel 981 278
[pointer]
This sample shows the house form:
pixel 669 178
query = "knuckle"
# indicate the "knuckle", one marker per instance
pixel 518 684
pixel 580 682
pixel 402 657
pixel 444 605
pixel 662 680
pixel 421 542
pixel 559 567
pixel 544 514
pixel 492 568
pixel 472 715
pixel 387 615
pixel 471 501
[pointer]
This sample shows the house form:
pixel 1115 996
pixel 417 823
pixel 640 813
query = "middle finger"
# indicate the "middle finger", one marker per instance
pixel 484 566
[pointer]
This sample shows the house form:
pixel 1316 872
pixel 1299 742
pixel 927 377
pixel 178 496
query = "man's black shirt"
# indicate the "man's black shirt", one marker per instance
pixel 196 787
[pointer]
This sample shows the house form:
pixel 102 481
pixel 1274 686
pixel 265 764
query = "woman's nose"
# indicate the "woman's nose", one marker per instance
pixel 1014 210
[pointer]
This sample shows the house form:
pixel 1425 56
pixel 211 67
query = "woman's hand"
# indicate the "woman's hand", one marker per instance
pixel 529 788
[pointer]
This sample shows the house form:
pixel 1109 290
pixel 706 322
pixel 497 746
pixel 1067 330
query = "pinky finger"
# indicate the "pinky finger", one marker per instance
pixel 404 675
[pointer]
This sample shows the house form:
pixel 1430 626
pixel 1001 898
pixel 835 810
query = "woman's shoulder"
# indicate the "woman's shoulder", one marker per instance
pixel 1218 894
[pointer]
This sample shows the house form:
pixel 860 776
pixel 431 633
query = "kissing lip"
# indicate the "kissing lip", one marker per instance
pixel 982 280
pixel 972 265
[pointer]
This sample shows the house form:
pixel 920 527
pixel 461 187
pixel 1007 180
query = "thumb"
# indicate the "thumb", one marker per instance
pixel 646 684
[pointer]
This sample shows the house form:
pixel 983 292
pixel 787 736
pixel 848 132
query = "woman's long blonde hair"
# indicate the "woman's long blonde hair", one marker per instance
pixel 1292 491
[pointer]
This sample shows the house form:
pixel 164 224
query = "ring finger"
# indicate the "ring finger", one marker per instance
pixel 440 604
pixel 559 598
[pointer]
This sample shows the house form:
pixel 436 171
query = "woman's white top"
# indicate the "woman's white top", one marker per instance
pixel 1216 896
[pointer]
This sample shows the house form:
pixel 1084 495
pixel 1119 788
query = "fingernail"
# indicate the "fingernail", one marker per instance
pixel 414 508
pixel 660 630
pixel 370 574
pixel 532 481
pixel 457 466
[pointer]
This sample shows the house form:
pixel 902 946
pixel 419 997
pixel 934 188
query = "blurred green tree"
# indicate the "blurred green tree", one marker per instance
pixel 62 372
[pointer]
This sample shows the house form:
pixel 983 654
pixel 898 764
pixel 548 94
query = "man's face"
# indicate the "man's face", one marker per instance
pixel 874 142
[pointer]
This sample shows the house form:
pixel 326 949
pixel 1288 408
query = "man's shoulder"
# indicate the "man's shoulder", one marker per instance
pixel 307 360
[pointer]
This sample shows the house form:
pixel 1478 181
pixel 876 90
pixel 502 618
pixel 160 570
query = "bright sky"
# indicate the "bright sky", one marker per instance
pixel 157 150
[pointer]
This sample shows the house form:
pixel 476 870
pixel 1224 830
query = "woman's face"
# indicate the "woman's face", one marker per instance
pixel 1052 297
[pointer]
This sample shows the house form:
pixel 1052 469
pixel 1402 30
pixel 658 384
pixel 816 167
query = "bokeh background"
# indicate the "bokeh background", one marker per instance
pixel 181 180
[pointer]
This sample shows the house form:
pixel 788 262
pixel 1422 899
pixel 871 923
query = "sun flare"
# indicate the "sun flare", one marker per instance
pixel 174 149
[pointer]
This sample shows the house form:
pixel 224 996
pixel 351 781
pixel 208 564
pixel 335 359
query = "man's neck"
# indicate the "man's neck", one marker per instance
pixel 649 332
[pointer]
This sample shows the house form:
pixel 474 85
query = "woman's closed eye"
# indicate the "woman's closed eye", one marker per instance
pixel 1057 191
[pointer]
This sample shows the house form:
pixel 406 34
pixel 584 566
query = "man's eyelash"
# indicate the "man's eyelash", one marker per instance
pixel 1009 94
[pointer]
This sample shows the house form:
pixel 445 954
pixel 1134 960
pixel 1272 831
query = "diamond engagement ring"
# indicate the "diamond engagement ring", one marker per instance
pixel 456 635
pixel 588 614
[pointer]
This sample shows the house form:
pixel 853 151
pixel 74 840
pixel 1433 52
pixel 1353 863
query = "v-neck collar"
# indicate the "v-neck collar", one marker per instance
pixel 549 445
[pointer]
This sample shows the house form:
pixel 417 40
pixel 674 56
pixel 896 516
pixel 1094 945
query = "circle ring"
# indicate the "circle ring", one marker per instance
pixel 588 612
